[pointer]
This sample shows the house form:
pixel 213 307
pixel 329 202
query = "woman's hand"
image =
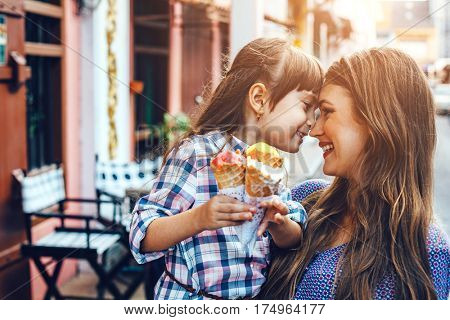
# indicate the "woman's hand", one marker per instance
pixel 223 211
pixel 276 212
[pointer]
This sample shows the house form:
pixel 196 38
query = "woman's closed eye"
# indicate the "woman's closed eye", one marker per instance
pixel 325 110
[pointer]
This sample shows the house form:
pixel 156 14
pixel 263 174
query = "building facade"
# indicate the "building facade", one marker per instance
pixel 100 75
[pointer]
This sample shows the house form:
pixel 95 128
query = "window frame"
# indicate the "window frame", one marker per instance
pixel 49 50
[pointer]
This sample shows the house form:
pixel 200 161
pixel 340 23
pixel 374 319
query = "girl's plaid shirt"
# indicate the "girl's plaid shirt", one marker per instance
pixel 212 260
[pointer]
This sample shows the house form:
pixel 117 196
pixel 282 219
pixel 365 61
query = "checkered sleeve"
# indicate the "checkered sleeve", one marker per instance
pixel 296 211
pixel 173 191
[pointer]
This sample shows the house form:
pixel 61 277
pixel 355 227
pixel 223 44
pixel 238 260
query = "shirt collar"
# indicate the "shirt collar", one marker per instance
pixel 220 138
pixel 238 144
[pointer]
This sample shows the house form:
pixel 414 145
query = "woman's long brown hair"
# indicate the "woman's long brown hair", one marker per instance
pixel 273 61
pixel 391 202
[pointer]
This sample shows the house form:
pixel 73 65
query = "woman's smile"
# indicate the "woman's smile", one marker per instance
pixel 327 148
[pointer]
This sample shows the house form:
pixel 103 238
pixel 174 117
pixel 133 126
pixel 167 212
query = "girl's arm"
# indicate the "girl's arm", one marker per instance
pixel 172 192
pixel 166 232
pixel 221 211
pixel 286 233
pixel 164 217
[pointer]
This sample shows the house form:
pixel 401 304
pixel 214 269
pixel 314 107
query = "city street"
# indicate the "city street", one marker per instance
pixel 93 92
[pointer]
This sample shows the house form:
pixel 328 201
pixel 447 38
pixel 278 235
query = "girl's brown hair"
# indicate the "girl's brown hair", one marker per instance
pixel 273 61
pixel 391 203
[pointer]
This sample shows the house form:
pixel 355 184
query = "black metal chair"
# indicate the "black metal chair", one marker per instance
pixel 113 179
pixel 43 195
pixel 126 182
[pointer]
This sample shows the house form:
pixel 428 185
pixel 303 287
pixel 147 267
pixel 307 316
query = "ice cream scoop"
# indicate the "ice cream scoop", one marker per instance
pixel 266 154
pixel 229 169
pixel 264 170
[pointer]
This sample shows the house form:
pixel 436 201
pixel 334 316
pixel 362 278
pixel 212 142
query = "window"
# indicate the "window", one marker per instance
pixel 44 104
pixel 151 48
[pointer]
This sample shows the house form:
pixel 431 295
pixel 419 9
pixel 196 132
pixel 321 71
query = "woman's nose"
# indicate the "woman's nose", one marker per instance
pixel 316 129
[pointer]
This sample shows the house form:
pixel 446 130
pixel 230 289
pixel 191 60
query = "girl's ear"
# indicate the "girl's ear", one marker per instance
pixel 257 98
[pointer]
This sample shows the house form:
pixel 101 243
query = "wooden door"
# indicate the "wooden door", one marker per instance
pixel 14 270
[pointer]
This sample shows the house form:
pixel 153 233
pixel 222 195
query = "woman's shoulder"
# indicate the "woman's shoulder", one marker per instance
pixel 305 188
pixel 438 241
pixel 438 246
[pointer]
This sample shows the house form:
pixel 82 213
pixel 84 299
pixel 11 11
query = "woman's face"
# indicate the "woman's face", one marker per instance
pixel 341 136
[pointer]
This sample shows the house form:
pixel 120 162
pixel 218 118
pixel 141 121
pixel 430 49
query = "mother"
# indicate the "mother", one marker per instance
pixel 370 235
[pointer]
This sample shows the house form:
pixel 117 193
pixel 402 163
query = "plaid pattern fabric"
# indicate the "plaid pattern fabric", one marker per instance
pixel 213 261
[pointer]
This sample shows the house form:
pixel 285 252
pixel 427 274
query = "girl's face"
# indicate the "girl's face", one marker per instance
pixel 340 135
pixel 289 121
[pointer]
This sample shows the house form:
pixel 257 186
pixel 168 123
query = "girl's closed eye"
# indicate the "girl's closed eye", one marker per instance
pixel 308 104
pixel 309 108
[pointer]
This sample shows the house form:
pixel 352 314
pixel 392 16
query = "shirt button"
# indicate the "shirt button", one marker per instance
pixel 251 265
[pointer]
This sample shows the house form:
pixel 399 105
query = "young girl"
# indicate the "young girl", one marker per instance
pixel 267 95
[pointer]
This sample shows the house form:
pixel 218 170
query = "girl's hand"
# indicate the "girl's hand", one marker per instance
pixel 223 211
pixel 276 212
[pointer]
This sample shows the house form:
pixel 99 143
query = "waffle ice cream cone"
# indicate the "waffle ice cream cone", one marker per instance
pixel 263 175
pixel 229 170
pixel 229 175
pixel 259 185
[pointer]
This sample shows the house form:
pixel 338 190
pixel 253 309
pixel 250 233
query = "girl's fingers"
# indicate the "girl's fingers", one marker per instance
pixel 262 227
pixel 223 224
pixel 277 204
pixel 282 208
pixel 235 207
pixel 236 216
pixel 227 199
pixel 278 218
pixel 265 204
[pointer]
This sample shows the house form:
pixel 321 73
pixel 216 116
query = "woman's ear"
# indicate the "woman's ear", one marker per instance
pixel 257 98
